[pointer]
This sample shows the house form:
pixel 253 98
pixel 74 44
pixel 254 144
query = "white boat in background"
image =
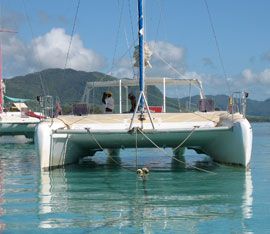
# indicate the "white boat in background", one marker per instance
pixel 17 122
pixel 16 119
pixel 225 136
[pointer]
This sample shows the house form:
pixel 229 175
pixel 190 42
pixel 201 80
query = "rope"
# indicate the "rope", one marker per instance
pixel 217 45
pixel 39 60
pixel 68 125
pixel 189 135
pixel 92 135
pixel 131 22
pixel 72 34
pixel 130 56
pixel 216 122
pixel 169 65
pixel 159 21
pixel 172 157
pixel 117 33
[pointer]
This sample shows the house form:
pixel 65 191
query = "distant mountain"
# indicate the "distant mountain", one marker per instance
pixel 68 85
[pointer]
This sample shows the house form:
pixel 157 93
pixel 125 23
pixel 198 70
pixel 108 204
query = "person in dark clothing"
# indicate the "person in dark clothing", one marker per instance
pixel 104 97
pixel 133 102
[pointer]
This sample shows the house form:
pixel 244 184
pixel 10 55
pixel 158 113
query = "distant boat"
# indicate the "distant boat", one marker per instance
pixel 16 119
pixel 225 136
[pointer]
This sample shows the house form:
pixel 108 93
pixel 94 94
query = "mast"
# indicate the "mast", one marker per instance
pixel 142 102
pixel 141 50
pixel 1 82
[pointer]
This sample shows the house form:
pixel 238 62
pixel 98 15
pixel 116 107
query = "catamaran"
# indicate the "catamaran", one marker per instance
pixel 225 136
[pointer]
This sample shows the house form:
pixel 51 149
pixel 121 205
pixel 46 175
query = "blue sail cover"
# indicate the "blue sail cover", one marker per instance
pixel 12 99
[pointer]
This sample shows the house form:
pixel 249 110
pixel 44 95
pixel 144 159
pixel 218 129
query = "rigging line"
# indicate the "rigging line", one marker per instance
pixel 70 124
pixel 169 65
pixel 126 52
pixel 38 57
pixel 131 22
pixel 162 17
pixel 159 21
pixel 172 157
pixel 217 45
pixel 99 145
pixel 130 57
pixel 72 34
pixel 188 136
pixel 117 33
pixel 216 122
pixel 109 72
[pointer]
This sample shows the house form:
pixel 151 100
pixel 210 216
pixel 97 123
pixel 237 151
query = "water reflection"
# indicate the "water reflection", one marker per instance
pixel 2 212
pixel 247 196
pixel 113 199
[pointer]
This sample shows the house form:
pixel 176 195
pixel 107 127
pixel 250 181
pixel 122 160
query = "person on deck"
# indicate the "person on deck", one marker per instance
pixel 109 103
pixel 58 109
pixel 133 102
pixel 104 96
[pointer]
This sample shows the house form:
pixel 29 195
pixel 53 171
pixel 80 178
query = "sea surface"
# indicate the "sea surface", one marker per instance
pixel 101 195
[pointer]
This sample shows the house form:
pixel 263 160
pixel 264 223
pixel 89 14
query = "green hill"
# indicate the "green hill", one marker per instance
pixel 68 85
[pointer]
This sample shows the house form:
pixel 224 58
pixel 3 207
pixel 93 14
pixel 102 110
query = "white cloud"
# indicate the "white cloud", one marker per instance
pixel 48 51
pixel 262 77
pixel 167 51
pixel 52 50
pixel 123 68
pixel 16 56
pixel 248 76
pixel 167 59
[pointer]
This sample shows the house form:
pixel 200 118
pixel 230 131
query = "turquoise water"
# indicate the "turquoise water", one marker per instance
pixel 99 196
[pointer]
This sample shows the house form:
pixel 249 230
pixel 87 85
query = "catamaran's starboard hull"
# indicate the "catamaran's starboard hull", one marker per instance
pixel 13 124
pixel 17 129
pixel 228 143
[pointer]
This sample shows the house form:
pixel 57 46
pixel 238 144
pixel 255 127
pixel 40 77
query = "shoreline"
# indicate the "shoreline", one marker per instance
pixel 258 119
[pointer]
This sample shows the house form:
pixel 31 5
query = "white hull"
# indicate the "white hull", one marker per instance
pixel 225 138
pixel 14 124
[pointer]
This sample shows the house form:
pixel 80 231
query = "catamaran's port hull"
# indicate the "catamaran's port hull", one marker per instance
pixel 226 144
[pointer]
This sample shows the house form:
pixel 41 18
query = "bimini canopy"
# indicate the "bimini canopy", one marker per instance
pixel 12 99
pixel 165 81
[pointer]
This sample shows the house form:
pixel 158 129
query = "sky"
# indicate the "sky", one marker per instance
pixel 228 49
